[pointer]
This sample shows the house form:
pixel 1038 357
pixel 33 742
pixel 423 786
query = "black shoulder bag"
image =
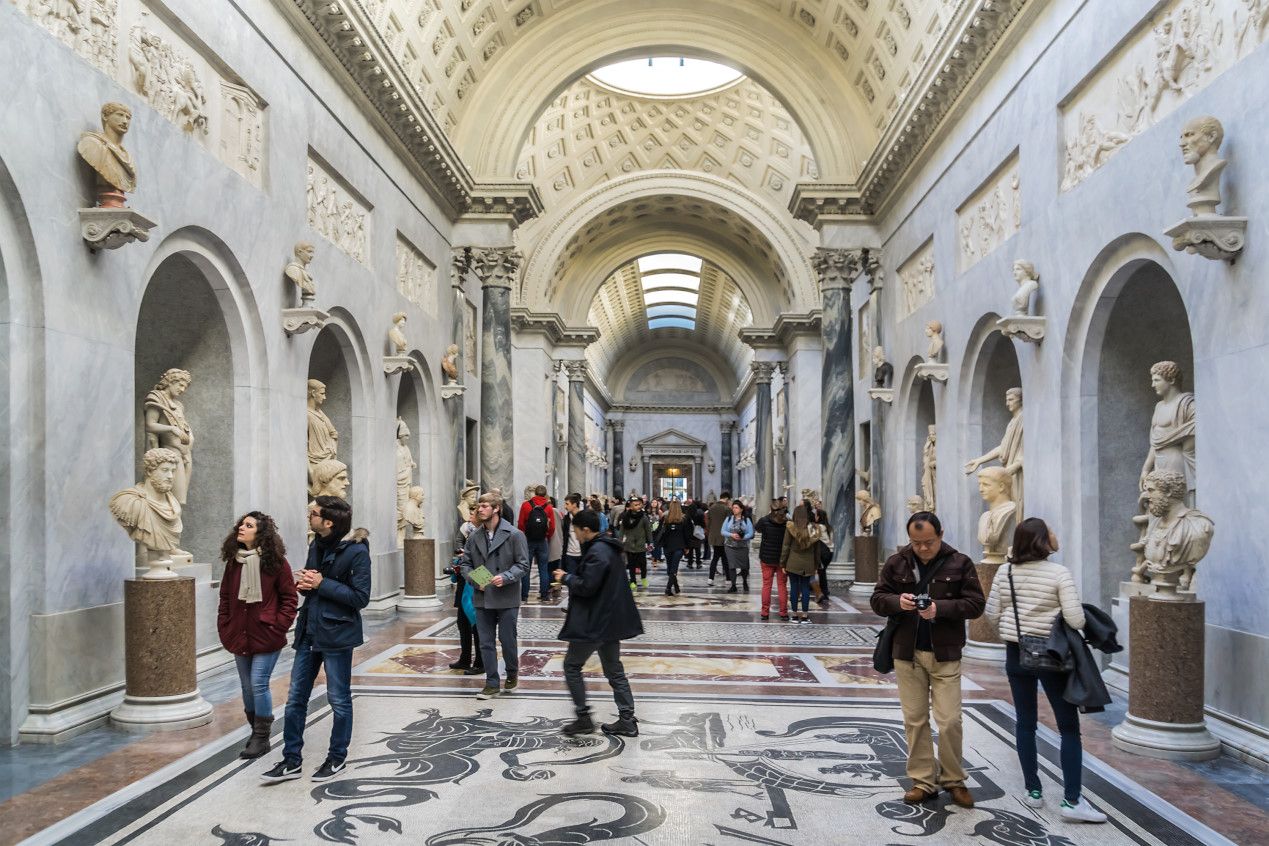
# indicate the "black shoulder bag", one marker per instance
pixel 1033 650
pixel 883 652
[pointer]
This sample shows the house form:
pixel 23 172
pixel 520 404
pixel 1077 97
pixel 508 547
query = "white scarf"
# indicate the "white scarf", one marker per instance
pixel 249 581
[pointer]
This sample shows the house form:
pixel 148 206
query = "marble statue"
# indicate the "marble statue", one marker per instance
pixel 934 352
pixel 467 500
pixel 1200 141
pixel 167 427
pixel 396 334
pixel 1028 284
pixel 297 271
pixel 111 162
pixel 330 478
pixel 929 470
pixel 1176 537
pixel 1009 451
pixel 883 371
pixel 869 511
pixel 449 364
pixel 914 504
pixel 323 438
pixel 150 513
pixel 413 513
pixel 405 475
pixel 1171 427
pixel 995 525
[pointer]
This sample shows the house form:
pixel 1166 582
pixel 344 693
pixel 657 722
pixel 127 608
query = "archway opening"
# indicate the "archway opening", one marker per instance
pixel 997 373
pixel 329 364
pixel 924 482
pixel 413 408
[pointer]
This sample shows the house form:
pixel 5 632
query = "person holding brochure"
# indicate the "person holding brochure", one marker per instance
pixel 495 558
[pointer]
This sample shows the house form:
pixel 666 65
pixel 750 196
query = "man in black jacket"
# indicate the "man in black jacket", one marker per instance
pixel 601 614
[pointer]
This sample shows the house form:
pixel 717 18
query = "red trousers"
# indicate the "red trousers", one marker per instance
pixel 776 572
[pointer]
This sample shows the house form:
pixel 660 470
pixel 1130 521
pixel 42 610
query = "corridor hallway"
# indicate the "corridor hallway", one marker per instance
pixel 751 733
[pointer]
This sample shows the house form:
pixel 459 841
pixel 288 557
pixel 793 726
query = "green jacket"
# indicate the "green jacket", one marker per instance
pixel 802 562
pixel 637 537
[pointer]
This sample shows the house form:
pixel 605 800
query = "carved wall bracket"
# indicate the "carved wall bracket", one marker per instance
pixel 1212 236
pixel 297 321
pixel 885 395
pixel 451 390
pixel 393 364
pixel 1021 327
pixel 932 371
pixel 110 229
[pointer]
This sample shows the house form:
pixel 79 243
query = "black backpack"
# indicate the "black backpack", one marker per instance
pixel 536 525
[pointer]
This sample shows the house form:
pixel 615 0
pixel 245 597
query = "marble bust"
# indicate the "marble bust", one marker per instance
pixel 396 334
pixel 869 511
pixel 929 469
pixel 934 352
pixel 412 514
pixel 449 364
pixel 995 525
pixel 330 478
pixel 1200 141
pixel 467 500
pixel 323 438
pixel 883 371
pixel 167 427
pixel 149 511
pixel 1176 537
pixel 116 172
pixel 297 271
pixel 1009 451
pixel 1028 284
pixel 1171 427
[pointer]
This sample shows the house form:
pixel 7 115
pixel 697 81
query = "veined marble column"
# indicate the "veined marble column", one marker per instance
pixel 497 268
pixel 454 408
pixel 727 477
pixel 836 269
pixel 576 425
pixel 876 432
pixel 764 459
pixel 618 478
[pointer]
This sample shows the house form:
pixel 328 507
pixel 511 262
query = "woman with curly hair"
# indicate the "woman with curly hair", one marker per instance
pixel 257 607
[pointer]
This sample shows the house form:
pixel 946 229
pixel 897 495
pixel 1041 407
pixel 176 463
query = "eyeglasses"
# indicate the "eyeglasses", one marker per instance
pixel 314 513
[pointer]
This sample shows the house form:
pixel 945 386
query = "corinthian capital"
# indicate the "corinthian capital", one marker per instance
pixel 762 371
pixel 837 267
pixel 496 266
pixel 576 370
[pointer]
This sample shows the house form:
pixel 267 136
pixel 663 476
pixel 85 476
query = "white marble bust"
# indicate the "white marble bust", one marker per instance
pixel 1200 141
pixel 449 364
pixel 467 500
pixel 297 271
pixel 1028 283
pixel 412 514
pixel 869 511
pixel 115 170
pixel 396 334
pixel 1176 537
pixel 996 523
pixel 934 352
pixel 149 511
pixel 330 478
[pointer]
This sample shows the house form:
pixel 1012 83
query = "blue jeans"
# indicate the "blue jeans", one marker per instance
pixel 538 551
pixel 799 588
pixel 672 559
pixel 1022 683
pixel 253 674
pixel 338 666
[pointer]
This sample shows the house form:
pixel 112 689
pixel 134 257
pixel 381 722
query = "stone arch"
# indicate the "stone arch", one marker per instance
pixel 340 359
pixel 787 248
pixel 619 378
pixel 534 70
pixel 197 313
pixel 417 402
pixel 1129 313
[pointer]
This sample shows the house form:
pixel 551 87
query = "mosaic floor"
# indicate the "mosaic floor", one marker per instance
pixel 712 633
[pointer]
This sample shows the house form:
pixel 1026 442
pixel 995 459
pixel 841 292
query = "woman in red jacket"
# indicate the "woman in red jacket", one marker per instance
pixel 257 607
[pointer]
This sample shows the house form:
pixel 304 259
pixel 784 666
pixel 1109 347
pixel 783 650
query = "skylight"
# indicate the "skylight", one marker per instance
pixel 665 76
pixel 670 261
pixel 671 283
pixel 671 323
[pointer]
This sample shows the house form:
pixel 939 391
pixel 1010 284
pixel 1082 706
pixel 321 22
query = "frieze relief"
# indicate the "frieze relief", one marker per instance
pixel 1182 48
pixel 990 217
pixel 917 278
pixel 86 26
pixel 416 277
pixel 335 213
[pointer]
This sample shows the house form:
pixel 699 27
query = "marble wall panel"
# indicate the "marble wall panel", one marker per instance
pixel 990 216
pixel 916 278
pixel 335 210
pixel 416 276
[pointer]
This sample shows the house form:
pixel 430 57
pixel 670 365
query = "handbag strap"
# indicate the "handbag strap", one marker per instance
pixel 924 583
pixel 1013 600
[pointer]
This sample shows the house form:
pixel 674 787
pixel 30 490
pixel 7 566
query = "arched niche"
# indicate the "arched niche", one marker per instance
pixel 180 324
pixel 994 371
pixel 332 362
pixel 919 413
pixel 1140 319
pixel 416 406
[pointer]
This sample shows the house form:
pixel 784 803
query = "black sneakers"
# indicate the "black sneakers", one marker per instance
pixel 282 771
pixel 328 769
pixel 625 727
pixel 582 725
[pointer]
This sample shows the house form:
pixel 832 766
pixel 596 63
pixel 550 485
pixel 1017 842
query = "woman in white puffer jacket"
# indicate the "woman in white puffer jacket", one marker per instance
pixel 1044 589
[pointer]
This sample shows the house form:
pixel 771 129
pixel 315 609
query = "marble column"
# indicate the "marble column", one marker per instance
pixel 497 268
pixel 618 429
pixel 726 477
pixel 836 269
pixel 764 458
pixel 455 412
pixel 559 434
pixel 877 432
pixel 576 425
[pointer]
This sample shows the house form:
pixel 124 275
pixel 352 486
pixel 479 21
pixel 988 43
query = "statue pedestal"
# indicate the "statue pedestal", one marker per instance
pixel 984 643
pixel 111 228
pixel 932 371
pixel 161 688
pixel 420 577
pixel 1116 674
pixel 397 364
pixel 1022 327
pixel 885 395
pixel 452 389
pixel 1213 236
pixel 1165 704
pixel 297 321
pixel 866 567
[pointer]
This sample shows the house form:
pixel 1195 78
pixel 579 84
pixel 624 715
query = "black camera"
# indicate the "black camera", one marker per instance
pixel 922 601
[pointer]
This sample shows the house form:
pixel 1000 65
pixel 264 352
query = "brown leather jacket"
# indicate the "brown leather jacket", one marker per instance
pixel 957 596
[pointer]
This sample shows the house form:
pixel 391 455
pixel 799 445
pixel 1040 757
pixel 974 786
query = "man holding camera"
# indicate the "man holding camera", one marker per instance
pixel 934 589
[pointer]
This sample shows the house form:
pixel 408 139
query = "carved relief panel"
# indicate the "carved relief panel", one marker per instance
pixel 916 276
pixel 335 212
pixel 416 277
pixel 990 216
pixel 469 339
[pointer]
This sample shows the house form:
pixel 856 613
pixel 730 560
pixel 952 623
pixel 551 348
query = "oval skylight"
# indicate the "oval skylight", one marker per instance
pixel 665 76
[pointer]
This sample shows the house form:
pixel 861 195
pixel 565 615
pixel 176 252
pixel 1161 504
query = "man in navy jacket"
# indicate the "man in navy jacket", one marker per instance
pixel 336 586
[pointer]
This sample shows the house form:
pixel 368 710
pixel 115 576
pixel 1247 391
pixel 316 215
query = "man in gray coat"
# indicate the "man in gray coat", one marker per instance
pixel 500 548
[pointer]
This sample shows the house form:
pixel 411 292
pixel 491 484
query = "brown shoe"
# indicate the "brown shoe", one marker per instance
pixel 961 796
pixel 917 795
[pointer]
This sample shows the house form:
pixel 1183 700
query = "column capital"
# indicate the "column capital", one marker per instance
pixel 762 371
pixel 727 427
pixel 837 267
pixel 616 425
pixel 576 370
pixel 496 267
pixel 459 266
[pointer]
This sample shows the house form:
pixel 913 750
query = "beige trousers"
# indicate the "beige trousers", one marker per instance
pixel 927 685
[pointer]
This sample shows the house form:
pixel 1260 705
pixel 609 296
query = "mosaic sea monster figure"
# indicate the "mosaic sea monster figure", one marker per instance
pixel 637 816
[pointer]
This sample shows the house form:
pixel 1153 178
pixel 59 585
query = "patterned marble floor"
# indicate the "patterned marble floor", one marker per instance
pixel 707 633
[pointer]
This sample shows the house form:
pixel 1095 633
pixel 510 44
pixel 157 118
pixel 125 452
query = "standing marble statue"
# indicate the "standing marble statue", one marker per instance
pixel 882 370
pixel 1176 537
pixel 934 352
pixel 869 511
pixel 914 504
pixel 413 513
pixel 1009 452
pixel 116 172
pixel 150 512
pixel 396 334
pixel 405 475
pixel 1171 427
pixel 1200 141
pixel 929 470
pixel 1028 284
pixel 330 478
pixel 297 271
pixel 995 525
pixel 166 426
pixel 323 438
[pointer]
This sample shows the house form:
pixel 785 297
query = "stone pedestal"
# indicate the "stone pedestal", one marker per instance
pixel 1116 674
pixel 161 689
pixel 420 576
pixel 984 642
pixel 1165 705
pixel 866 566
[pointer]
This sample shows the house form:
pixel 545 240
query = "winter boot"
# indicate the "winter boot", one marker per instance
pixel 627 725
pixel 259 742
pixel 582 725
